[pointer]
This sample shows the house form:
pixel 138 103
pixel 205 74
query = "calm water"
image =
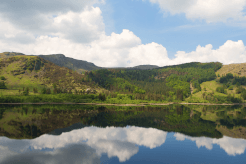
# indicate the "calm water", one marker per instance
pixel 111 135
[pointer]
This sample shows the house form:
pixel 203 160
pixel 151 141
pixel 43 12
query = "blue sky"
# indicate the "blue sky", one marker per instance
pixel 114 33
pixel 176 32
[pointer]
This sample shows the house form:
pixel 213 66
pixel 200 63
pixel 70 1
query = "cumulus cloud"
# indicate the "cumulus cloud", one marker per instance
pixel 119 142
pixel 232 146
pixel 209 10
pixel 35 14
pixel 116 50
pixel 151 53
pixel 229 52
pixel 76 29
pixel 81 27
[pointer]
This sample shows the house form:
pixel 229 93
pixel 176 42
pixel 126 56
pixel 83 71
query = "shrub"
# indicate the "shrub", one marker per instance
pixel 240 89
pixel 230 87
pixel 243 95
pixel 2 78
pixel 10 99
pixel 221 90
pixel 35 99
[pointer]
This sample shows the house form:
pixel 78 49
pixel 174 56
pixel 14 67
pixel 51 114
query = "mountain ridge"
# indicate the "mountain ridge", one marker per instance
pixel 78 65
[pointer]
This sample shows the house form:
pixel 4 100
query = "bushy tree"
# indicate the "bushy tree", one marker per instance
pixel 2 78
pixel 221 90
pixel 43 91
pixel 26 92
pixel 102 97
pixel 2 85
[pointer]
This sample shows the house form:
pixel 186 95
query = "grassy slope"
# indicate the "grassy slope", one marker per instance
pixel 210 86
pixel 35 72
pixel 235 69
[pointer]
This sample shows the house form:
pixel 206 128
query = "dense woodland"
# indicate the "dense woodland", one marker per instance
pixel 167 83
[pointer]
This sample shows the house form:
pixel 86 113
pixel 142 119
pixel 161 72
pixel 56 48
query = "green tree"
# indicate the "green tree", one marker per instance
pixel 26 92
pixel 102 97
pixel 48 91
pixel 2 85
pixel 43 91
pixel 2 78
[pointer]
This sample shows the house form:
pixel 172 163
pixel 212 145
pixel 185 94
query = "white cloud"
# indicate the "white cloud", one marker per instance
pixel 209 10
pixel 116 50
pixel 81 27
pixel 77 30
pixel 34 15
pixel 232 146
pixel 152 53
pixel 229 52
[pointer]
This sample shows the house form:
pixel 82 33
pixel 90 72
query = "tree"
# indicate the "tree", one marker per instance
pixel 2 85
pixel 26 92
pixel 35 90
pixel 43 91
pixel 102 97
pixel 203 94
pixel 2 78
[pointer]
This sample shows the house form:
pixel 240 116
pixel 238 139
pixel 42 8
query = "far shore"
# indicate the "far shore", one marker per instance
pixel 101 104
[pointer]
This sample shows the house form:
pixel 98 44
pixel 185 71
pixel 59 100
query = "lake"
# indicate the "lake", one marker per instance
pixel 175 134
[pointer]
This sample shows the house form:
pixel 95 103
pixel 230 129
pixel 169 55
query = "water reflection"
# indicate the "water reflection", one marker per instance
pixel 69 154
pixel 84 134
pixel 88 144
pixel 119 142
pixel 231 146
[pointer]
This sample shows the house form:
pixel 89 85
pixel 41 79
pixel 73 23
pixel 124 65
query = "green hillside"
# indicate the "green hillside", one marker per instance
pixel 21 72
pixel 78 65
pixel 63 61
pixel 190 82
pixel 172 83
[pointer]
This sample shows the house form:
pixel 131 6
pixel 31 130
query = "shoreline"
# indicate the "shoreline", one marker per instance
pixel 101 104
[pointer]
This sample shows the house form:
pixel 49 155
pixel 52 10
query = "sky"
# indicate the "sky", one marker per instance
pixel 127 33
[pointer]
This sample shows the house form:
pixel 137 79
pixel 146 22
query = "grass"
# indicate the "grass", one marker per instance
pixel 235 69
pixel 209 89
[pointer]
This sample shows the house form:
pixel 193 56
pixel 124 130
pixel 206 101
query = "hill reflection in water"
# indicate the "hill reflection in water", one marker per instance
pixel 106 135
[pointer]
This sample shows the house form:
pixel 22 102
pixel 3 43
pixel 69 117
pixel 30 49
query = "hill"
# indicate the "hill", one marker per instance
pixel 235 69
pixel 169 83
pixel 78 65
pixel 229 85
pixel 9 54
pixel 24 71
pixel 190 82
pixel 139 67
pixel 73 64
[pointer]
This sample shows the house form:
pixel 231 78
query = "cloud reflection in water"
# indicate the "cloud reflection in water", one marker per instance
pixel 114 141
pixel 232 146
